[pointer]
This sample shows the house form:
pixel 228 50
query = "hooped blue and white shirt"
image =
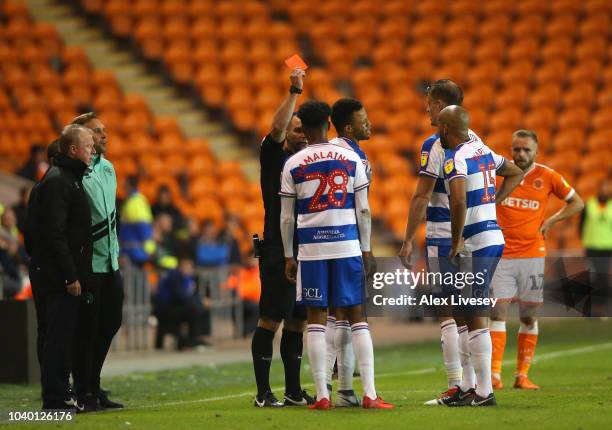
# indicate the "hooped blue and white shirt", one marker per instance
pixel 323 178
pixel 438 229
pixel 477 164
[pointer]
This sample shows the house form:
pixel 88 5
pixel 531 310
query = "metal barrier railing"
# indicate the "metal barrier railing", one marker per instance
pixel 137 332
pixel 225 305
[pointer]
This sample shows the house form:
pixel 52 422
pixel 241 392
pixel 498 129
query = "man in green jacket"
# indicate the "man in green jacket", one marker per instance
pixel 100 315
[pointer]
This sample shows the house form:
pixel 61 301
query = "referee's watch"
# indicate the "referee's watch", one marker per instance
pixel 295 90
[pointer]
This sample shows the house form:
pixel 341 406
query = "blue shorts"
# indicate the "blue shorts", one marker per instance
pixel 436 256
pixel 324 283
pixel 482 262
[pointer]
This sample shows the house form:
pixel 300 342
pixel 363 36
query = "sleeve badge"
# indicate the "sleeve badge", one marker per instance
pixel 449 166
pixel 424 158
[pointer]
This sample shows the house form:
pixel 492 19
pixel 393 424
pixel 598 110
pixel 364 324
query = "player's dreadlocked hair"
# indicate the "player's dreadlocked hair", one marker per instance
pixel 342 113
pixel 446 91
pixel 314 114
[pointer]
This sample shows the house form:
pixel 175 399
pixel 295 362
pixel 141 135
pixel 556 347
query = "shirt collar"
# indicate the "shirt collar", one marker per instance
pixel 471 140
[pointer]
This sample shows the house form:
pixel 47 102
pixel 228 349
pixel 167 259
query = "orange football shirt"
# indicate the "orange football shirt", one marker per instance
pixel 521 214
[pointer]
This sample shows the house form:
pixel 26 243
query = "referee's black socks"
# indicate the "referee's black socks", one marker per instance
pixel 261 348
pixel 292 344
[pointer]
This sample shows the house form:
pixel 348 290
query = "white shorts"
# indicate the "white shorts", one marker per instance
pixel 519 279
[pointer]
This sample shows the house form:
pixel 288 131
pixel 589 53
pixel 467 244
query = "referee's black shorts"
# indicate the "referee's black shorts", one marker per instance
pixel 278 295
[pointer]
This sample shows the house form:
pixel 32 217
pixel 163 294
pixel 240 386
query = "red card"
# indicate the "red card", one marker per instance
pixel 296 62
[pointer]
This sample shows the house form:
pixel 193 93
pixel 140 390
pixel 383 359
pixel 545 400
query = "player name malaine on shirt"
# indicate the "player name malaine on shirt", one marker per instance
pixel 477 164
pixel 323 178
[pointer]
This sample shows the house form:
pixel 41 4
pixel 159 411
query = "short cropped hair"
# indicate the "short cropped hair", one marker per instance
pixel 314 114
pixel 526 133
pixel 342 112
pixel 446 91
pixel 70 136
pixel 84 119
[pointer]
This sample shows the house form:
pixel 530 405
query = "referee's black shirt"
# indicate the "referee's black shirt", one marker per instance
pixel 271 159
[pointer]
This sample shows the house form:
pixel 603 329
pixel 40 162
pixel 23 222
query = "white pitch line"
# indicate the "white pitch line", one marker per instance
pixel 540 357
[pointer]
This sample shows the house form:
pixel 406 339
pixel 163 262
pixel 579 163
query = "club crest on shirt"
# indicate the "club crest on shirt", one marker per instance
pixel 424 157
pixel 538 184
pixel 449 166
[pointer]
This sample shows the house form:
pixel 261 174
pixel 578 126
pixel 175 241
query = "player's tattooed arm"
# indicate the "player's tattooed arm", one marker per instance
pixel 285 110
pixel 513 176
pixel 458 210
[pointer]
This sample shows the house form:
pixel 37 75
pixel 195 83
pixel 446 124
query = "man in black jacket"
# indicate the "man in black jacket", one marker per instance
pixel 59 241
pixel 28 228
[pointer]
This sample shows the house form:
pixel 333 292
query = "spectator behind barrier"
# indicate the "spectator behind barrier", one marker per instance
pixel 165 249
pixel 21 208
pixel 36 166
pixel 165 205
pixel 11 254
pixel 210 251
pixel 136 231
pixel 177 301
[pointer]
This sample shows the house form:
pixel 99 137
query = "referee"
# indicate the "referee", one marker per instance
pixel 277 302
pixel 99 318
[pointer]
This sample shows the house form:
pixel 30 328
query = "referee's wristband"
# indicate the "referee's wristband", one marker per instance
pixel 295 90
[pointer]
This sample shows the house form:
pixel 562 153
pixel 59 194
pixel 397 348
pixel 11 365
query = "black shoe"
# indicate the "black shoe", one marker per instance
pixel 66 405
pixel 484 401
pixel 460 398
pixel 301 399
pixel 268 400
pixel 106 403
pixel 88 404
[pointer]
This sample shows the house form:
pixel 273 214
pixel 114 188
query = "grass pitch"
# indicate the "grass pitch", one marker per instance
pixel 573 365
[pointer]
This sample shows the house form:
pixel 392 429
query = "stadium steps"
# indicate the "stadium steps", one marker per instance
pixel 134 78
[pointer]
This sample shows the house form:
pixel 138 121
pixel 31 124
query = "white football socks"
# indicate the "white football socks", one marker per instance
pixel 346 357
pixel 364 350
pixel 468 379
pixel 481 349
pixel 450 352
pixel 317 350
pixel 330 357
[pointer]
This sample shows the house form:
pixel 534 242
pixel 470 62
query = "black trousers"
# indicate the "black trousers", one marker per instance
pixel 60 311
pixel 41 310
pixel 98 322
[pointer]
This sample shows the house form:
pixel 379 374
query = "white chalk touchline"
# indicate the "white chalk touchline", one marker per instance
pixel 541 357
